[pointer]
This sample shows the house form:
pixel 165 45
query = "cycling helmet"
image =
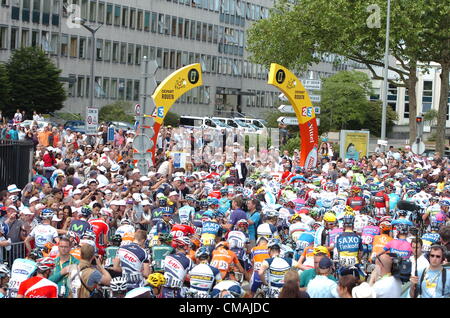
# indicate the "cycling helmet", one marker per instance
pixel 385 226
pixel 89 235
pixel 165 237
pixel 242 223
pixel 86 211
pixel 4 271
pixel 274 243
pixel 444 202
pixel 203 203
pixel 212 201
pixel 348 220
pixel 209 214
pixel 181 242
pixel 202 253
pixel 195 242
pixel 156 279
pixel 349 210
pixel 272 214
pixel 45 263
pixel 295 217
pixel 372 222
pixel 402 212
pixel 118 284
pixel 224 191
pixel 36 253
pixel 355 189
pixel 329 217
pixel 321 249
pixel 435 226
pixel 386 218
pixel 124 222
pixel 162 201
pixel 262 238
pixel 402 228
pixel 47 213
pixel 190 197
pixel 116 238
pixel 74 237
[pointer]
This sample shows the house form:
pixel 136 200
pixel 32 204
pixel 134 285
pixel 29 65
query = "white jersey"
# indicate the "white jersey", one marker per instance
pixel 186 213
pixel 203 277
pixel 21 270
pixel 327 198
pixel 237 239
pixel 43 234
pixel 126 228
pixel 422 199
pixel 361 220
pixel 267 230
pixel 296 229
pixel 277 268
pixel 343 183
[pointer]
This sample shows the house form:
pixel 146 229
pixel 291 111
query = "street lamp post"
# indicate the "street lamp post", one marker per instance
pixel 385 74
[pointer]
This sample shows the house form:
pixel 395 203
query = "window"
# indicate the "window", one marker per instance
pixel 191 58
pixel 140 20
pixel 109 12
pixel 392 96
pixel 159 57
pixel 115 52
pixel 106 87
pixel 154 22
pixel 161 23
pixel 147 21
pixel 406 113
pixel 204 31
pixel 117 15
pixel 178 60
pixel 123 53
pixel 84 9
pixel 25 38
pixel 174 26
pixel 186 28
pixel 192 33
pixel 167 25
pixel 80 86
pixel 427 96
pixel 99 50
pixel 136 90
pixel 14 38
pixel 166 59
pixel 101 12
pixel 215 33
pixel 180 27
pixel 121 89
pixel 152 53
pixel 214 64
pixel 133 18
pixel 198 30
pixel 172 59
pixel 130 57
pixel 71 88
pixel 92 11
pixel 125 17
pixel 107 51
pixel 82 48
pixel 129 90
pixel 137 55
pixel 145 51
pixel 114 88
pixel 184 58
pixel 64 45
pixel 73 46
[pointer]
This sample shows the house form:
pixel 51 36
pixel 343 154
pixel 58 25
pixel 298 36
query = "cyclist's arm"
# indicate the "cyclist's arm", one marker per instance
pixel 116 265
pixel 146 270
pixel 27 242
pixel 261 272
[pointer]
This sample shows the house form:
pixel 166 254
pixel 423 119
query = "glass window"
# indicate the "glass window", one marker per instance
pixel 192 33
pixel 140 20
pixel 106 87
pixel 427 96
pixel 129 91
pixel 99 50
pixel 115 52
pixel 178 63
pixel 198 30
pixel 117 15
pixel 132 18
pixel 154 22
pixel 123 53
pixel 160 23
pixel 186 28
pixel 114 88
pixel 73 46
pixel 92 11
pixel 152 53
pixel 172 59
pixel 64 45
pixel 80 86
pixel 180 27
pixel 84 9
pixel 107 51
pixel 14 38
pixel 136 90
pixel 147 21
pixel 137 55
pixel 184 58
pixel 167 26
pixel 130 56
pixel 25 38
pixel 101 12
pixel 166 58
pixel 159 57
pixel 392 96
pixel 121 89
pixel 215 34
pixel 88 86
pixel 125 17
pixel 145 51
pixel 109 11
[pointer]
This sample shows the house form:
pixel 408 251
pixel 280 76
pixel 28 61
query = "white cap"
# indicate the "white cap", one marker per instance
pixel 102 169
pixel 80 152
pixel 87 162
pixel 55 218
pixel 77 191
pixel 26 211
pixel 137 197
pixel 145 202
pixel 107 191
pixel 40 206
pixel 178 179
pixel 151 174
pixel 81 185
pixel 105 211
pixel 173 193
pixel 144 178
pixel 114 202
pixel 34 199
pixel 106 149
pixel 13 188
pixel 136 171
pixel 115 168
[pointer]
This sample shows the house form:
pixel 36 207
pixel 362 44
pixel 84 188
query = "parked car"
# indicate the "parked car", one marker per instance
pixel 120 125
pixel 76 125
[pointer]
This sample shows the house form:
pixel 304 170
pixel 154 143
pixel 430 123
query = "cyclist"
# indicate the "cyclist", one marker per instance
pixel 349 244
pixel 211 229
pixel 125 227
pixel 238 241
pixel 276 267
pixel 399 246
pixel 4 279
pixel 81 225
pixel 186 212
pixel 183 229
pixel 223 259
pixel 431 237
pixel 162 207
pixel 297 227
pixel 176 267
pixel 111 251
pixel 355 200
pixel 228 289
pixel 160 251
pixel 101 229
pixel 118 286
pixel 203 276
pixel 164 225
pixel 198 217
pixel 380 241
pixel 322 236
pixel 381 203
pixel 39 286
pixel 43 233
pixel 268 228
pixel 257 255
pixel 22 269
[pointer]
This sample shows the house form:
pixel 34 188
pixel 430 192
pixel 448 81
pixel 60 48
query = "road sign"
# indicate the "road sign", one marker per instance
pixel 110 136
pixel 315 98
pixel 382 142
pixel 292 121
pixel 418 148
pixel 142 143
pixel 137 110
pixel 312 84
pixel 91 121
pixel 290 110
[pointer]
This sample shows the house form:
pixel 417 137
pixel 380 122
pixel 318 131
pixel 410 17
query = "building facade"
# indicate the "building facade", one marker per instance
pixel 173 32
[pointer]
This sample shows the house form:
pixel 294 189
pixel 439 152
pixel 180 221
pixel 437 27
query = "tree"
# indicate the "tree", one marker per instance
pixel 346 105
pixel 300 34
pixel 34 79
pixel 172 119
pixel 118 111
pixel 5 88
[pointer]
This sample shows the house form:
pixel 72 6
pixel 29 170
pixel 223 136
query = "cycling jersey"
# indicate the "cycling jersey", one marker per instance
pixel 176 266
pixel 422 199
pixel 159 253
pixel 433 210
pixel 131 257
pixel 356 203
pixel 237 239
pixel 43 234
pixel 197 218
pixel 38 287
pixel 361 220
pixel 296 230
pixel 222 260
pixel 228 285
pixel 203 277
pixel 379 242
pixel 79 226
pixel 277 268
pixel 308 254
pixel 380 199
pixel 401 247
pixel 304 240
pixel 110 254
pixel 179 230
pixel 393 200
pixel 100 228
pixel 429 239
pixel 368 233
pixel 186 213
pixel 267 230
pixel 210 230
pixel 158 212
pixel 348 245
pixel 402 221
pixel 124 229
pixel 21 270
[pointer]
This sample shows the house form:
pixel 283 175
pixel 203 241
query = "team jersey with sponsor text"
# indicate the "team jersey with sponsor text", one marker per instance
pixel 38 287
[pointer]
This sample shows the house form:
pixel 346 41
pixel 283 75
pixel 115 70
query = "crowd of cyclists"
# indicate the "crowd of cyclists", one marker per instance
pixel 94 227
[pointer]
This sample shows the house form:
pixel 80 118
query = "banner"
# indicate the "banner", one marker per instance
pixel 168 92
pixel 354 144
pixel 293 89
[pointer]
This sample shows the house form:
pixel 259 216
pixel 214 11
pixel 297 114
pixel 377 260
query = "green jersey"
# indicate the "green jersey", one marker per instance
pixel 159 253
pixel 110 254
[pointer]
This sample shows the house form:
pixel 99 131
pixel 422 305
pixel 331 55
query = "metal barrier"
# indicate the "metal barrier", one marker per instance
pixel 16 159
pixel 12 252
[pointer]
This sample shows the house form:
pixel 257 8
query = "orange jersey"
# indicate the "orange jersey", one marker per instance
pixel 76 252
pixel 222 259
pixel 191 255
pixel 259 254
pixel 379 242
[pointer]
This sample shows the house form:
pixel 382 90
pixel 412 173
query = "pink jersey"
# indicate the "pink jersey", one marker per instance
pixel 399 246
pixel 333 234
pixel 368 233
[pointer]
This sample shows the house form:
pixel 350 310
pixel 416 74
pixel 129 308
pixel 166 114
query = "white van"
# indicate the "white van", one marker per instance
pixel 236 124
pixel 202 122
pixel 259 123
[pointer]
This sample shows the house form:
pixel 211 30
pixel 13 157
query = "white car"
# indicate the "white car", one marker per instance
pixel 39 123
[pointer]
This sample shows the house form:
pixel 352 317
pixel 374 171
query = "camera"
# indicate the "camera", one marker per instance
pixel 401 268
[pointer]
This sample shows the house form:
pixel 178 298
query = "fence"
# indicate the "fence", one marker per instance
pixel 16 159
pixel 10 253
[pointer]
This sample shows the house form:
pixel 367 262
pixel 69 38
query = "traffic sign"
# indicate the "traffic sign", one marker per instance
pixel 292 121
pixel 137 110
pixel 91 121
pixel 312 84
pixel 418 148
pixel 290 110
pixel 315 98
pixel 142 143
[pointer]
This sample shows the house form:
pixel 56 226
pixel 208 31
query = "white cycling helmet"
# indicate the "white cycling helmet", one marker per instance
pixel 119 284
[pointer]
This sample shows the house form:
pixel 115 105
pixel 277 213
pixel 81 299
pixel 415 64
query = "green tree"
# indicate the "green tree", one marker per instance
pixel 5 88
pixel 118 111
pixel 172 119
pixel 34 79
pixel 346 105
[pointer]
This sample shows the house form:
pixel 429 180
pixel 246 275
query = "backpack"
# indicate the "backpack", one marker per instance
pixel 77 279
pixel 444 279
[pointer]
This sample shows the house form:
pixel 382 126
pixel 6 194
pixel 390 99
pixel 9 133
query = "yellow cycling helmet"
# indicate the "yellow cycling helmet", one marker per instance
pixel 349 210
pixel 321 249
pixel 329 217
pixel 156 279
pixel 295 217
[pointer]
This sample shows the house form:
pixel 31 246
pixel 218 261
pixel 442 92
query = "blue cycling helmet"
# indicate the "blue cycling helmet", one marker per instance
pixel 435 226
pixel 203 203
pixel 223 209
pixel 209 214
pixel 86 211
pixel 444 202
pixel 224 191
pixel 202 253
pixel 47 213
pixel 212 201
pixel 4 228
pixel 402 228
pixel 348 220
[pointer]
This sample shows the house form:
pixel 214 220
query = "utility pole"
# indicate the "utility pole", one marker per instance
pixel 385 75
